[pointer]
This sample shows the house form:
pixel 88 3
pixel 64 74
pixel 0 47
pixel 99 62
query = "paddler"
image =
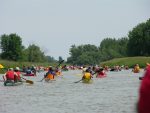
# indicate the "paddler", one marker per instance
pixel 50 74
pixel 10 75
pixel 101 73
pixel 136 68
pixel 87 75
pixel 18 77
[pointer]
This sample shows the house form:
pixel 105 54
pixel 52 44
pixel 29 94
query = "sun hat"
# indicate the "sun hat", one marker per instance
pixel 17 68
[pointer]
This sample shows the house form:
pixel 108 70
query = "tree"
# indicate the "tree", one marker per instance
pixel 11 46
pixel 35 54
pixel 50 59
pixel 113 48
pixel 139 40
pixel 83 54
pixel 60 59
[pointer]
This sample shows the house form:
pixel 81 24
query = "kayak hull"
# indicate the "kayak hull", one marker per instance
pixel 11 83
pixel 49 81
pixel 101 76
pixel 87 81
pixel 29 74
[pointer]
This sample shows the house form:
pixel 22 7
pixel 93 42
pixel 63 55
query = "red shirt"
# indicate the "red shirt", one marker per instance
pixel 144 93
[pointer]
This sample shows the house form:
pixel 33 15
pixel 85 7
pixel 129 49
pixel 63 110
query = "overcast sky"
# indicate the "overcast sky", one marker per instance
pixel 55 25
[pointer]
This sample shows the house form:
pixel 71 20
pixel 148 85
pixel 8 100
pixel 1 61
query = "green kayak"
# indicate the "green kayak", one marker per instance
pixel 87 81
pixel 11 83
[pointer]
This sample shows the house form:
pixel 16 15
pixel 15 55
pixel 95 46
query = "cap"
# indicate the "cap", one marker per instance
pixel 17 68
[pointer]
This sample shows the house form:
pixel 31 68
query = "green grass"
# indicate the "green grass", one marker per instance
pixel 130 61
pixel 11 64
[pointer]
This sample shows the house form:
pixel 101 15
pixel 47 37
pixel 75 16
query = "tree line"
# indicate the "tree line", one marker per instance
pixel 12 49
pixel 137 43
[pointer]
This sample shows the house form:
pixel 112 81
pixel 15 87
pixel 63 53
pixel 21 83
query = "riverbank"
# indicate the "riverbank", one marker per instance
pixel 129 61
pixel 7 64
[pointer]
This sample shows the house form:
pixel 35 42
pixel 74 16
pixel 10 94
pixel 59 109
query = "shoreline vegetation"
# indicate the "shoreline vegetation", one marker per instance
pixel 12 64
pixel 129 61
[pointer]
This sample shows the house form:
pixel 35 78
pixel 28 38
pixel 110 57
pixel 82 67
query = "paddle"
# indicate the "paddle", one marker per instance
pixel 78 81
pixel 55 68
pixel 27 81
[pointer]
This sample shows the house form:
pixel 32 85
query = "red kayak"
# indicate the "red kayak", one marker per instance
pixel 31 74
pixel 102 74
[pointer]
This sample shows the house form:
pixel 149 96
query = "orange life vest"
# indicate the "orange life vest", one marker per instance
pixel 50 76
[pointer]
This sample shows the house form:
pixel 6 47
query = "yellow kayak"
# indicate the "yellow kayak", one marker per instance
pixel 87 81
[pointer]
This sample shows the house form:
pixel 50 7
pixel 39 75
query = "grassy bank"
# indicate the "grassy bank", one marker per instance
pixel 130 61
pixel 11 64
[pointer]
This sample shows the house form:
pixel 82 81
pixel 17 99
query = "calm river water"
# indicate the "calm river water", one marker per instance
pixel 117 93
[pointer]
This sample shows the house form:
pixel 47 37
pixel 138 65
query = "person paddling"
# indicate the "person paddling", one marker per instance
pixel 87 76
pixel 136 68
pixel 17 71
pixel 100 73
pixel 50 74
pixel 10 76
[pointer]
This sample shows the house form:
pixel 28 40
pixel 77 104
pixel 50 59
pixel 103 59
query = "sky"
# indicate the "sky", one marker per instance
pixel 55 25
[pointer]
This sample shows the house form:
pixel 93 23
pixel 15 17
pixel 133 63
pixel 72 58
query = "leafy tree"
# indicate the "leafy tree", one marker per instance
pixel 139 40
pixel 112 48
pixel 35 54
pixel 60 58
pixel 83 54
pixel 50 59
pixel 11 46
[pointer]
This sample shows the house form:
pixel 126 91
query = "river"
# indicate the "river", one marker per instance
pixel 117 93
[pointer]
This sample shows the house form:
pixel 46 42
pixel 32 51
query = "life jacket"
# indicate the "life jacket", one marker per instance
pixel 58 73
pixel 50 76
pixel 87 75
pixel 101 74
pixel 28 71
pixel 18 75
pixel 10 75
pixel 137 69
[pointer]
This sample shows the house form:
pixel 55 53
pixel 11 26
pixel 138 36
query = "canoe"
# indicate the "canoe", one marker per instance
pixel 87 81
pixel 11 83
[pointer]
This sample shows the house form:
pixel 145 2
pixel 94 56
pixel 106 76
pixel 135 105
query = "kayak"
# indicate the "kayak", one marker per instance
pixel 11 83
pixel 101 76
pixel 65 69
pixel 87 81
pixel 29 74
pixel 58 73
pixel 49 81
pixel 141 78
pixel 136 71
